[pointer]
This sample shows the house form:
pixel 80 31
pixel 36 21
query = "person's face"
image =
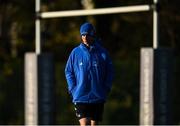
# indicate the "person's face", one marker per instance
pixel 87 39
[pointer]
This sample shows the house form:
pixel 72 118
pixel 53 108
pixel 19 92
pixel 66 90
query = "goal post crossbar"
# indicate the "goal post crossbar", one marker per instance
pixel 99 11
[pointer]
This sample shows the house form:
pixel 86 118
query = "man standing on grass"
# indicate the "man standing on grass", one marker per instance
pixel 89 74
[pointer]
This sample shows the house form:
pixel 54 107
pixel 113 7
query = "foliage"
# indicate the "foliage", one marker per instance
pixel 122 34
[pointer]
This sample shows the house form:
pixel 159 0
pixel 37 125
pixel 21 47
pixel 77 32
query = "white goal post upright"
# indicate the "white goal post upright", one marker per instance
pixel 155 25
pixel 37 28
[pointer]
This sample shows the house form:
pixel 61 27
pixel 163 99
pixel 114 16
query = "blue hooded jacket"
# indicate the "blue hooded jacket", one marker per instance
pixel 89 74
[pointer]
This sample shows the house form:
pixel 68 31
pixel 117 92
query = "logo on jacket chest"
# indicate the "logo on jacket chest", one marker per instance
pixel 81 63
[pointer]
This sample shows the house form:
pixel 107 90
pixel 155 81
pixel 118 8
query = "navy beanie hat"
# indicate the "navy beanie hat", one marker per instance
pixel 87 28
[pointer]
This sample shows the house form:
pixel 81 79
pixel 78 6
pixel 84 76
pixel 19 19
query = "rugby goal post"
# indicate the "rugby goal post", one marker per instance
pixel 31 85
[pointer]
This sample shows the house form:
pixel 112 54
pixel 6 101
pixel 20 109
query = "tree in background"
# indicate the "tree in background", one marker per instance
pixel 122 34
